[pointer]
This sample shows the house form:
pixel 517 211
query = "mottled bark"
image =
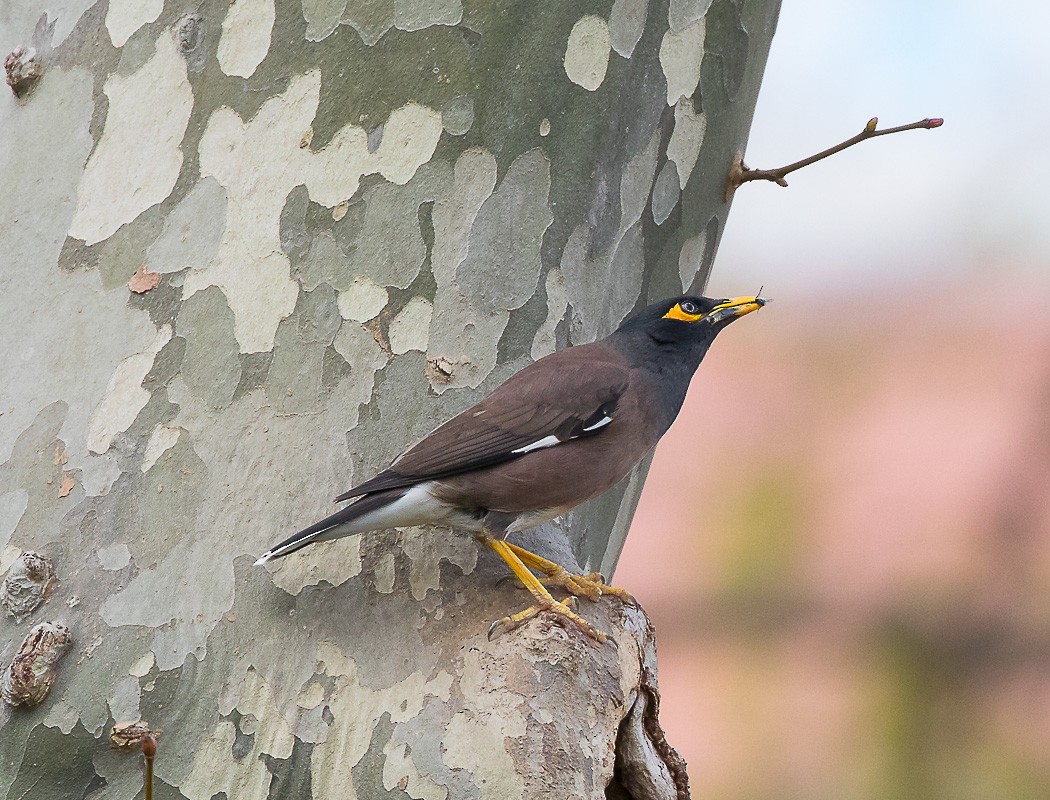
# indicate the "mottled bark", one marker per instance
pixel 252 250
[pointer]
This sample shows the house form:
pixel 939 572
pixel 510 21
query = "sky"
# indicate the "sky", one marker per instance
pixel 965 201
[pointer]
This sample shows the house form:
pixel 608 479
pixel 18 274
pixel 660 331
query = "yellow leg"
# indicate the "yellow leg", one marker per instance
pixel 544 600
pixel 591 586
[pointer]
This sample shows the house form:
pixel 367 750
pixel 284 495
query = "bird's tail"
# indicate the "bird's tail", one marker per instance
pixel 340 519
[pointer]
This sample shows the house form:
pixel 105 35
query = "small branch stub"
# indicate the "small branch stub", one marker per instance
pixel 739 173
pixel 23 70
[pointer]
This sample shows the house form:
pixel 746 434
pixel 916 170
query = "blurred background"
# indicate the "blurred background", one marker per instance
pixel 844 542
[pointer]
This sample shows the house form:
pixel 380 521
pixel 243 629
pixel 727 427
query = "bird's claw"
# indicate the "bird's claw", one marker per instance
pixel 497 627
pixel 562 612
pixel 592 586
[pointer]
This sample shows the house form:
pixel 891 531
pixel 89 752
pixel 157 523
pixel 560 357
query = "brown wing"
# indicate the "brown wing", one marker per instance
pixel 568 394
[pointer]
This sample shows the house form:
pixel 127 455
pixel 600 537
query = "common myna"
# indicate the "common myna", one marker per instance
pixel 557 433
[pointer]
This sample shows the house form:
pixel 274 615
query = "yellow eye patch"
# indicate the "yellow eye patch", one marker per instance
pixel 684 316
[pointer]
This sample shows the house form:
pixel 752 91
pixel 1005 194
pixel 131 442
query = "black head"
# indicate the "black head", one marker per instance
pixel 689 318
pixel 680 328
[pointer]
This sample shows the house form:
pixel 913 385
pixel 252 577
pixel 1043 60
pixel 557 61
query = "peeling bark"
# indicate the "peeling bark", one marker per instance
pixel 255 251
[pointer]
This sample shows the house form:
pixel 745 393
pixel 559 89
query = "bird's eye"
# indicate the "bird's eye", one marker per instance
pixel 689 307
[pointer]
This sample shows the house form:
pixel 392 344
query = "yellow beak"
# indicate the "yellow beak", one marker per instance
pixel 736 307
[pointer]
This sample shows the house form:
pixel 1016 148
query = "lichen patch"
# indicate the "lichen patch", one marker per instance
pixel 245 40
pixel 626 25
pixel 410 329
pixel 114 556
pixel 602 287
pixel 362 300
pixel 587 52
pixel 333 760
pixel 13 505
pixel 335 565
pixel 683 13
pixel 249 266
pixel 680 55
pixel 124 397
pixel 161 439
pixel 138 158
pixel 124 17
pixel 691 257
pixel 687 138
pixel 163 599
pixel 473 250
pixel 544 342
pixel 192 231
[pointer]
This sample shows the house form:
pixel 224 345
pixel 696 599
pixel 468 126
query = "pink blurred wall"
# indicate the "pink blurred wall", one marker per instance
pixel 843 544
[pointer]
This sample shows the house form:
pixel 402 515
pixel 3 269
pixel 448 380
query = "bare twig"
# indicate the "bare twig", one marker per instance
pixel 739 172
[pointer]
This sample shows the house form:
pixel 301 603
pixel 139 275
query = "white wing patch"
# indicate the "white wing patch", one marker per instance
pixel 599 424
pixel 546 441
pixel 550 441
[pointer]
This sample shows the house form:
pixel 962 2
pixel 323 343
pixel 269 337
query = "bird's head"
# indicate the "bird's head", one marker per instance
pixel 671 337
pixel 684 325
pixel 689 319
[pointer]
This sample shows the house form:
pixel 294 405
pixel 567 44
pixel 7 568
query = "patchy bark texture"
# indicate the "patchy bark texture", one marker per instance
pixel 232 235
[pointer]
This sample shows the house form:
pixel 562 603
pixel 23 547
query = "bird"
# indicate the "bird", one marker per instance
pixel 558 432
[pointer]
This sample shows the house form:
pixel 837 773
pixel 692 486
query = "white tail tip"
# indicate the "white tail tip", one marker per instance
pixel 263 559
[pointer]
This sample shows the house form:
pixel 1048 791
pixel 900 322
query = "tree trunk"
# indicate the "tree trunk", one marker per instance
pixel 251 253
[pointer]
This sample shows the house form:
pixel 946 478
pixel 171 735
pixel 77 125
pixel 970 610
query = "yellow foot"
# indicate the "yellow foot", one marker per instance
pixel 592 585
pixel 562 614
